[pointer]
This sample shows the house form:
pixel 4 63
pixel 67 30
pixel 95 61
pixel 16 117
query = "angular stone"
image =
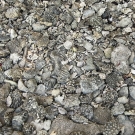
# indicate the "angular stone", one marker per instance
pixel 132 91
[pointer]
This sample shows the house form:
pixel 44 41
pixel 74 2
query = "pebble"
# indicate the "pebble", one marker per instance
pixel 118 109
pixel 41 89
pixel 62 110
pixel 71 101
pixel 4 38
pixel 119 57
pixel 15 57
pixel 68 44
pixel 123 91
pixel 70 64
pixel 132 92
pixel 59 99
pixel 122 100
pixel 98 100
pixel 124 22
pixel 55 92
pixel 38 27
pixel 88 46
pixel 108 52
pixel 87 13
pixel 12 13
pixel 22 87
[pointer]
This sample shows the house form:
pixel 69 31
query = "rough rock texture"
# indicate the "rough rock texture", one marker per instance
pixel 63 126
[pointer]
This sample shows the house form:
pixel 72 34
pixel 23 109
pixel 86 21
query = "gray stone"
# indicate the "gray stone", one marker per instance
pixel 71 101
pixel 132 91
pixel 87 13
pixel 119 57
pixel 128 125
pixel 38 27
pixel 123 100
pixel 4 38
pixel 63 126
pixel 118 109
pixel 123 91
pixel 124 22
pixel 41 89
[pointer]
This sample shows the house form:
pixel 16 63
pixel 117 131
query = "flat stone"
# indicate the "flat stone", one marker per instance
pixel 4 38
pixel 63 126
pixel 87 13
pixel 124 22
pixel 38 27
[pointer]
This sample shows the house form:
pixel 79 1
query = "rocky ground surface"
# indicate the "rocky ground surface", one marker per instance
pixel 67 67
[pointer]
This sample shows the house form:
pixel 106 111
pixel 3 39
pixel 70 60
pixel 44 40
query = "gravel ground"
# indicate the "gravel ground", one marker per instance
pixel 67 67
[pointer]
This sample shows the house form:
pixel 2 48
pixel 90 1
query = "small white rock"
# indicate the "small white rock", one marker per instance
pixel 9 100
pixel 98 99
pixel 123 100
pixel 133 71
pixel 127 29
pixel 88 46
pixel 59 99
pixel 47 124
pixel 102 76
pixel 105 33
pixel 68 44
pixel 34 57
pixel 38 27
pixel 80 63
pixel 15 57
pixel 62 110
pixel 43 125
pixel 87 13
pixel 12 13
pixel 13 34
pixel 21 86
pixel 55 92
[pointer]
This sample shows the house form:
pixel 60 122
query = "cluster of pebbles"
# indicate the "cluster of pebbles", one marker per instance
pixel 67 67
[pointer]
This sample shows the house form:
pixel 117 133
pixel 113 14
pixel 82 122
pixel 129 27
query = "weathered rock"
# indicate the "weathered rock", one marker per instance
pixel 62 126
pixel 119 57
pixel 102 115
pixel 118 109
pixel 124 22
